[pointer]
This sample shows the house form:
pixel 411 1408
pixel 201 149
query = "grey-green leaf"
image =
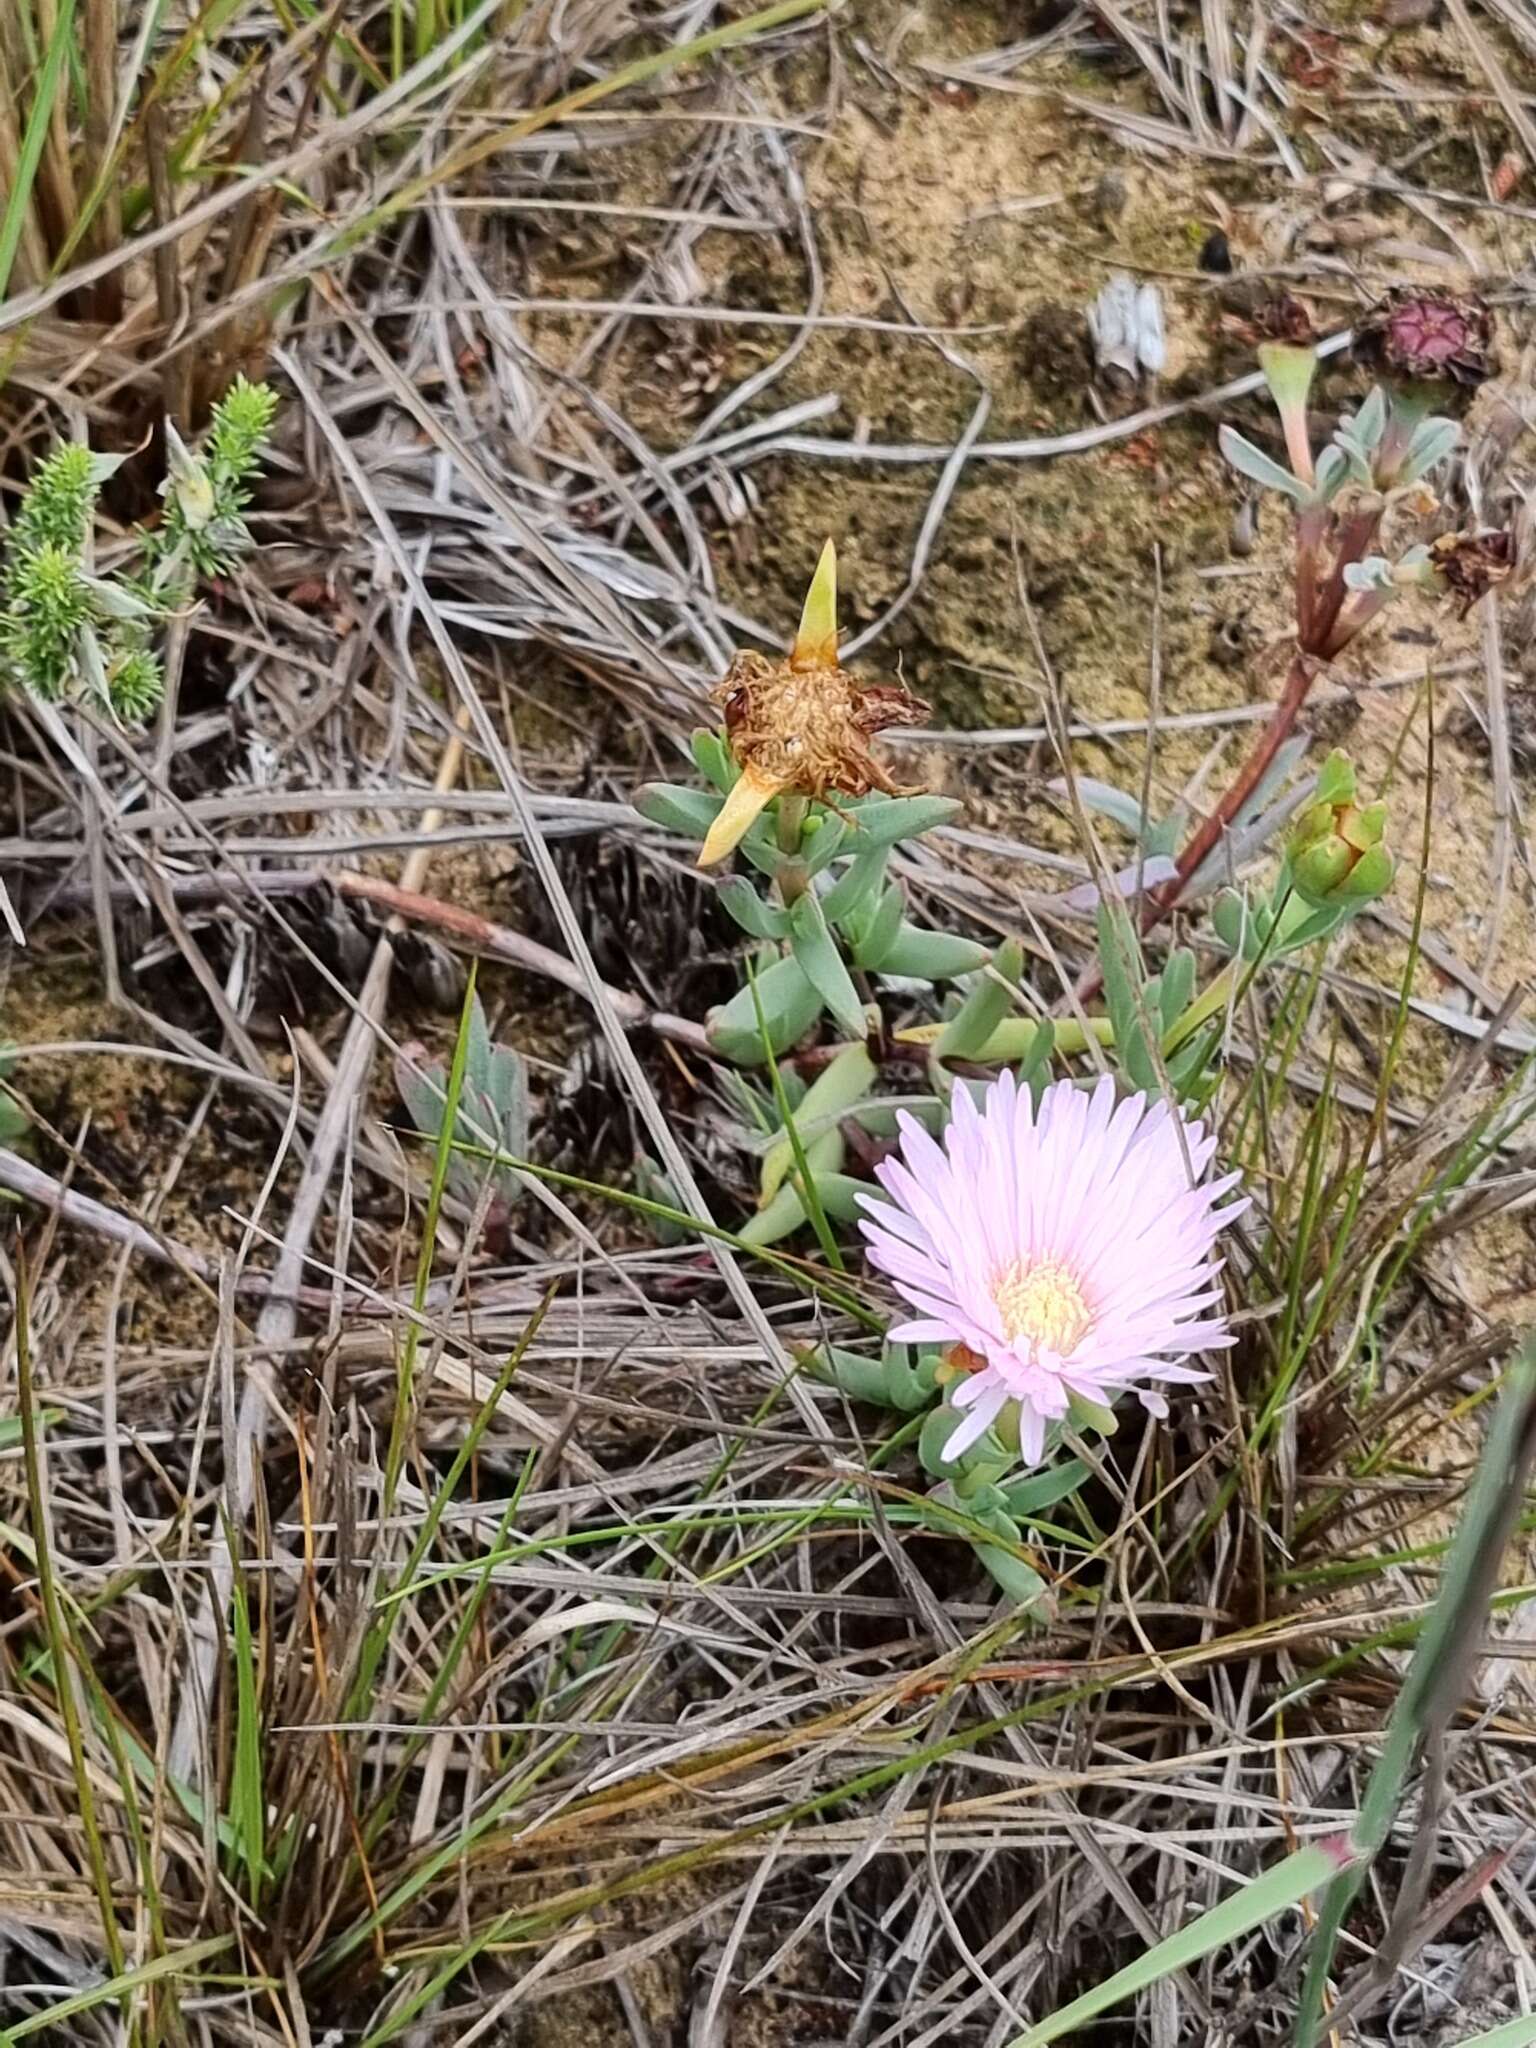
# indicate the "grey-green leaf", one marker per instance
pixel 855 885
pixel 861 1379
pixel 882 820
pixel 832 1094
pixel 712 758
pixel 876 927
pixel 821 839
pixel 1176 986
pixel 790 1005
pixel 1019 1580
pixel 1042 1490
pixel 822 962
pixel 762 920
pixel 1431 444
pixel 1254 463
pixel 988 1003
pixel 909 1381
pixel 931 956
pixel 677 808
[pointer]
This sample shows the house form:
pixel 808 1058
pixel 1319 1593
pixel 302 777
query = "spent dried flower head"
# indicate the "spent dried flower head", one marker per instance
pixel 1283 318
pixel 1471 564
pixel 1428 336
pixel 803 725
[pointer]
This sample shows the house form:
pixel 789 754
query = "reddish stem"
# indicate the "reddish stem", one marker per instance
pixel 1356 536
pixel 1160 902
pixel 1298 681
pixel 1321 633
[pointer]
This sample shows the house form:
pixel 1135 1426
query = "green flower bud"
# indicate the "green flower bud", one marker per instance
pixel 1370 877
pixel 1336 780
pixel 1335 851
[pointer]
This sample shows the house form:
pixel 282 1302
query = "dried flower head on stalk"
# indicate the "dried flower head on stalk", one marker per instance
pixel 803 725
pixel 1429 337
pixel 1469 565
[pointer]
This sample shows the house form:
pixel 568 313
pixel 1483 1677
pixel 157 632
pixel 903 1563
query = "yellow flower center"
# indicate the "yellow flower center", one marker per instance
pixel 1043 1303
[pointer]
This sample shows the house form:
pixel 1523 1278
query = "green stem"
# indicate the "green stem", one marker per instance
pixel 792 878
pixel 1205 1006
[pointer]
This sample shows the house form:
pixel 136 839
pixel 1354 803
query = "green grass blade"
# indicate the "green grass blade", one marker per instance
pixel 384 1620
pixel 1436 1675
pixel 806 1276
pixel 442 1159
pixel 118 1988
pixel 247 1796
pixel 62 1644
pixel 1276 1891
pixel 43 94
pixel 1519 2033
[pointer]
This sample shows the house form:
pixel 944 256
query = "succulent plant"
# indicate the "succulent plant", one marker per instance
pixel 491 1116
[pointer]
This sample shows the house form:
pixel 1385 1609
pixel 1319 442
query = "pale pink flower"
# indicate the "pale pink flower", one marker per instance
pixel 1069 1247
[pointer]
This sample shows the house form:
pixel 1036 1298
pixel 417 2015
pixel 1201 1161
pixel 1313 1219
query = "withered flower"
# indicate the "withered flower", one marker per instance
pixel 1428 336
pixel 1282 317
pixel 803 724
pixel 1472 564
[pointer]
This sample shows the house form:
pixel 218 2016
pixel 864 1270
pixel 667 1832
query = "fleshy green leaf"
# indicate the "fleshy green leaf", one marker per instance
pixel 1127 997
pixel 1233 921
pixel 909 1381
pixel 1369 423
pixel 817 952
pixel 1332 472
pixel 1037 1056
pixel 1111 803
pixel 780 1219
pixel 1042 1490
pixel 832 1094
pixel 759 919
pixel 1018 1579
pixel 841 1195
pixel 931 956
pixel 821 840
pixel 677 808
pixel 875 930
pixel 1176 986
pixel 882 820
pixel 855 885
pixel 1086 1414
pixel 713 759
pixel 861 1379
pixel 790 1004
pixel 988 1003
pixel 1373 573
pixel 787 1210
pixel 1434 440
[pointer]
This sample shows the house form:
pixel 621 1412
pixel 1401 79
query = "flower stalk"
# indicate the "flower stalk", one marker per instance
pixel 1423 345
